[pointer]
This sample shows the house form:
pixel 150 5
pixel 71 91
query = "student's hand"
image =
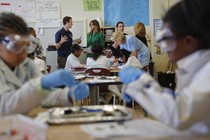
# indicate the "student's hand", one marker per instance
pixel 80 90
pixel 57 79
pixel 127 98
pixel 130 74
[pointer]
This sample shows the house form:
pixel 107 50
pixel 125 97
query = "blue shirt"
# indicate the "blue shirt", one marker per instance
pixel 65 48
pixel 133 44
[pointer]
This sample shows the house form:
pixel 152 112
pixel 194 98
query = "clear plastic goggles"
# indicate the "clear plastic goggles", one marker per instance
pixel 16 43
pixel 166 40
pixel 108 52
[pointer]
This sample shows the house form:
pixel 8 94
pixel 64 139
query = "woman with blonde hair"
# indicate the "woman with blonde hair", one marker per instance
pixel 132 44
pixel 140 32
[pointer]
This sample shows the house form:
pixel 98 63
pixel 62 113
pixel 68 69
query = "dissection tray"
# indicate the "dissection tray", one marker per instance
pixel 87 114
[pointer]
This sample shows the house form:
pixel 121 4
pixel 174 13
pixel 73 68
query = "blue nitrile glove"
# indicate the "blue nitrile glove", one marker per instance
pixel 127 98
pixel 130 74
pixel 57 79
pixel 81 90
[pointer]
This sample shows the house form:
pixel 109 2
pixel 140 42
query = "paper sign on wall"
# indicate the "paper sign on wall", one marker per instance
pixel 92 5
pixel 48 13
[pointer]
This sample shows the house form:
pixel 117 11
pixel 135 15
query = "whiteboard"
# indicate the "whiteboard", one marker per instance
pixel 48 38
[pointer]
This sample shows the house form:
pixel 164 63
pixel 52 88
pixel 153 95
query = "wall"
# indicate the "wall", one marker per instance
pixel 158 8
pixel 74 8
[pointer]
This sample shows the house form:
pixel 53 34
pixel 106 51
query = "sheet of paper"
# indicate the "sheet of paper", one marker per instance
pixel 144 128
pixel 78 40
pixel 21 123
pixel 87 50
pixel 102 80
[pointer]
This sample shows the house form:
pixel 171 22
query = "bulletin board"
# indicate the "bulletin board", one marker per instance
pixel 129 12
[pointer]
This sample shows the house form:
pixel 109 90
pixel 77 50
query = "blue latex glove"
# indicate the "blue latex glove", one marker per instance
pixel 57 79
pixel 127 98
pixel 130 74
pixel 81 90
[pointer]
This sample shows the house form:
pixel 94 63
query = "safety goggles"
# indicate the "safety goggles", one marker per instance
pixel 108 52
pixel 166 40
pixel 16 43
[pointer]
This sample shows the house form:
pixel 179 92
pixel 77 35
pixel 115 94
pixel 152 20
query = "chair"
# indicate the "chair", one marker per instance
pixel 100 72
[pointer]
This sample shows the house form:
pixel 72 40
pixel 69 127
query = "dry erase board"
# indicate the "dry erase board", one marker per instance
pixel 48 37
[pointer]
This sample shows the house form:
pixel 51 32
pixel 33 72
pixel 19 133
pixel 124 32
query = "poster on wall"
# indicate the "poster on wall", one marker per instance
pixel 130 13
pixel 5 6
pixel 23 8
pixel 47 13
pixel 158 23
pixel 92 5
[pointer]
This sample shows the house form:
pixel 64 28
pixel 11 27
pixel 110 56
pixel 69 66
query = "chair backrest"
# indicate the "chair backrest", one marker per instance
pixel 99 72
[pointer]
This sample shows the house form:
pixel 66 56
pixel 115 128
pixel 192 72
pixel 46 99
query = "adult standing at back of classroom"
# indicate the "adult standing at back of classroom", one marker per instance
pixel 95 36
pixel 120 27
pixel 140 33
pixel 63 40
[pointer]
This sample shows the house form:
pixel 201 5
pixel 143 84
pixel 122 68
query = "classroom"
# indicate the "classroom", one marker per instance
pixel 82 18
pixel 104 69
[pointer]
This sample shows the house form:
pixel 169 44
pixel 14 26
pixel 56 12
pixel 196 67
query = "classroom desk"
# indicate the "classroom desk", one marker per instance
pixel 94 88
pixel 113 71
pixel 74 131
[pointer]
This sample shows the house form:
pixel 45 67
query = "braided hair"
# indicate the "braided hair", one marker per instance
pixel 12 24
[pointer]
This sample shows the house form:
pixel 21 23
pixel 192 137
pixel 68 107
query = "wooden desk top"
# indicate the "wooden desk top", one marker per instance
pixel 114 71
pixel 72 131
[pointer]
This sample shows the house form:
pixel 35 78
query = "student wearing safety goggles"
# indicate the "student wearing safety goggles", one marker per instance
pixel 22 85
pixel 185 38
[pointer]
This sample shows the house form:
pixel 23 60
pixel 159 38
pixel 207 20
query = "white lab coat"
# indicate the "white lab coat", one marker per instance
pixel 132 61
pixel 21 91
pixel 111 59
pixel 101 62
pixel 41 65
pixel 190 107
pixel 72 61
